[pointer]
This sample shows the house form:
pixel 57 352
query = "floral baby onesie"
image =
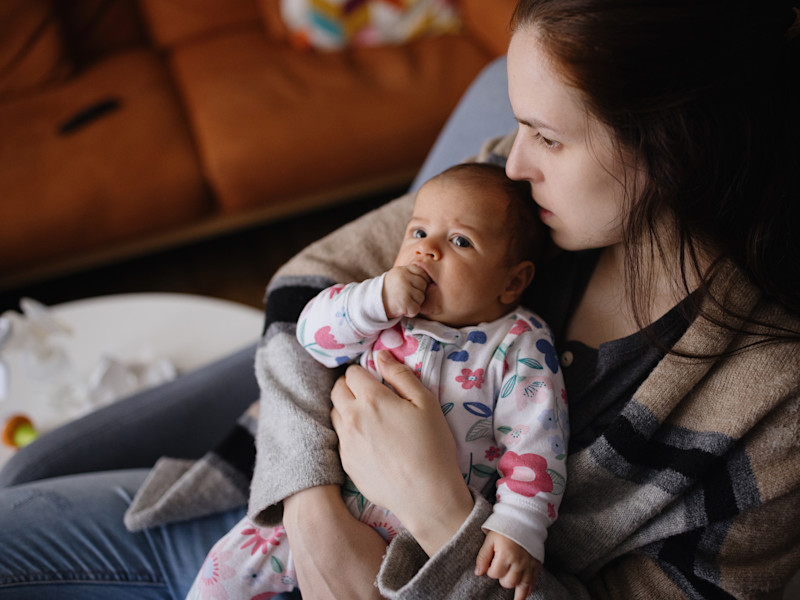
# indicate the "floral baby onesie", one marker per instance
pixel 501 390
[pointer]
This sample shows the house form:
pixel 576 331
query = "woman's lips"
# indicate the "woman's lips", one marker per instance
pixel 545 215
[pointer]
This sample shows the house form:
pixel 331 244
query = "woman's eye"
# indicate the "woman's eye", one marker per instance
pixel 546 142
pixel 418 233
pixel 461 241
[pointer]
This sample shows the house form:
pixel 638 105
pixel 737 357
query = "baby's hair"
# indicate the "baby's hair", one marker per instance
pixel 525 230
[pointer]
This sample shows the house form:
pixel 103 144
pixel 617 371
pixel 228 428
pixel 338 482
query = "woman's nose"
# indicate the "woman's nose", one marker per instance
pixel 521 164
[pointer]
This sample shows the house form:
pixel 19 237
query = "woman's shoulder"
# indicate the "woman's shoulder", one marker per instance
pixel 745 327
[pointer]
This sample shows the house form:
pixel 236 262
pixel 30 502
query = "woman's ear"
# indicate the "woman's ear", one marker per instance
pixel 519 277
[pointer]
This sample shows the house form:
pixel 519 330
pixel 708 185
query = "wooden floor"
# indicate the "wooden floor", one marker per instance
pixel 234 267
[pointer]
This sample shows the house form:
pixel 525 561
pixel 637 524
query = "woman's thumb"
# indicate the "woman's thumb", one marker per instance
pixel 399 376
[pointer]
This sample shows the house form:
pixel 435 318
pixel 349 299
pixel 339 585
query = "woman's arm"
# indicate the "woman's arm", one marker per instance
pixel 328 541
pixel 297 457
pixel 296 447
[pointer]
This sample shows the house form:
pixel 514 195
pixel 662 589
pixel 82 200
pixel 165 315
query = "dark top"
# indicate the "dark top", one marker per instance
pixel 599 381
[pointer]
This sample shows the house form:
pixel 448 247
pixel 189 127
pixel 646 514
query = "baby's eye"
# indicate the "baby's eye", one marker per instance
pixel 461 241
pixel 418 233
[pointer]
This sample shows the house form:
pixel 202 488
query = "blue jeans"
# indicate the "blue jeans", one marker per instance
pixel 69 530
pixel 63 497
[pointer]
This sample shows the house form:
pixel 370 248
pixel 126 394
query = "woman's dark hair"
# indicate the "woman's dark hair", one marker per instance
pixel 702 95
pixel 525 232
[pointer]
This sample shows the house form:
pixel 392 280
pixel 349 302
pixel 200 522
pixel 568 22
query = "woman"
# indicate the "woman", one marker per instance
pixel 658 143
pixel 656 138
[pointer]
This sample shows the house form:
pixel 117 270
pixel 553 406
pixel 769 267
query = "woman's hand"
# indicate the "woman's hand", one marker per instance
pixel 399 451
pixel 335 555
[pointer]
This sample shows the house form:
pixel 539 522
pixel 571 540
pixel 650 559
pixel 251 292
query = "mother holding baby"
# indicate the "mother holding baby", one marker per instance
pixel 660 140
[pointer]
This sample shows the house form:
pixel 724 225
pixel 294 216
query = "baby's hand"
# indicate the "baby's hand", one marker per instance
pixel 507 561
pixel 404 291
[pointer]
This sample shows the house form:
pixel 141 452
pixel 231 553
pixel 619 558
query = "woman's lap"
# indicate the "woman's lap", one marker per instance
pixel 66 536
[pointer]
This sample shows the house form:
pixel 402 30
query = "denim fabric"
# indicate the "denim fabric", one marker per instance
pixel 64 538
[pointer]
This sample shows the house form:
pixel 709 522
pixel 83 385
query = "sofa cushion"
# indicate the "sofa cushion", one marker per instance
pixel 32 52
pixel 335 24
pixel 274 123
pixel 173 22
pixel 95 28
pixel 489 22
pixel 130 172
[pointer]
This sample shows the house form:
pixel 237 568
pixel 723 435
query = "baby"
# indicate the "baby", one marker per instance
pixel 449 309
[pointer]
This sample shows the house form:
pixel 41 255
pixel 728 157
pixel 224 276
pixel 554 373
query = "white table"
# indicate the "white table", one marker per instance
pixel 189 331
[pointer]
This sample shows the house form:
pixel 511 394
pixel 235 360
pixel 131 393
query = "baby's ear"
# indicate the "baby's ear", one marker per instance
pixel 519 277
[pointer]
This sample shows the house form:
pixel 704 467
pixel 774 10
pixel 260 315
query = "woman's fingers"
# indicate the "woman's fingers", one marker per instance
pixel 401 378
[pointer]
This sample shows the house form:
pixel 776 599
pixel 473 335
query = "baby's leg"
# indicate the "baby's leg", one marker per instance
pixel 249 560
pixel 380 519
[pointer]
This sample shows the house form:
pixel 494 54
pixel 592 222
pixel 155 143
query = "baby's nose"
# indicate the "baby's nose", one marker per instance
pixel 429 250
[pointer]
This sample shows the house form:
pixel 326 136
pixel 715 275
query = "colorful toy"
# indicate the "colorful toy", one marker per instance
pixel 18 431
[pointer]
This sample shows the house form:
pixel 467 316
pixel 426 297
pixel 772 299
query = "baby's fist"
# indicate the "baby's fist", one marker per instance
pixel 502 559
pixel 404 291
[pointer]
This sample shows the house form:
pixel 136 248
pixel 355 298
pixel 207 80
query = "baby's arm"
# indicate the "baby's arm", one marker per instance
pixel 342 321
pixel 530 421
pixel 503 559
pixel 404 291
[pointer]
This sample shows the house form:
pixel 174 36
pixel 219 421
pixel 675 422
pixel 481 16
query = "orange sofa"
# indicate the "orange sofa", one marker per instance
pixel 129 125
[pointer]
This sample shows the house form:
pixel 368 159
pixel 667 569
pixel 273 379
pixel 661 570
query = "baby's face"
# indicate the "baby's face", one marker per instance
pixel 457 236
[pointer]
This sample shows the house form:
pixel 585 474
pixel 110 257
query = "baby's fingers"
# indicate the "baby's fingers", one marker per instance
pixel 484 559
pixel 519 578
pixel 522 591
pixel 413 301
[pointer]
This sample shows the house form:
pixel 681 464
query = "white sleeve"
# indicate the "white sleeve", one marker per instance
pixel 342 321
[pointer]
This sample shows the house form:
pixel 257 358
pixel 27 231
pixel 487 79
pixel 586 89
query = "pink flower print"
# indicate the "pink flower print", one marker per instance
pixel 469 379
pixel 551 510
pixel 532 390
pixel 519 327
pixel 395 341
pixel 335 290
pixel 514 436
pixel 492 453
pixel 213 571
pixel 325 339
pixel 418 370
pixel 525 475
pixel 564 396
pixel 384 529
pixel 276 581
pixel 258 541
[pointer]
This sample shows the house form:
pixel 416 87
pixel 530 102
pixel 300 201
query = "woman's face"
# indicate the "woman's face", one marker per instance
pixel 565 153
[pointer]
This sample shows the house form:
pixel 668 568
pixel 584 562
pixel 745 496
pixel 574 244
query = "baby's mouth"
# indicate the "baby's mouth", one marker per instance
pixel 427 272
